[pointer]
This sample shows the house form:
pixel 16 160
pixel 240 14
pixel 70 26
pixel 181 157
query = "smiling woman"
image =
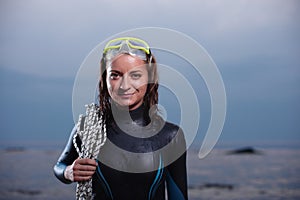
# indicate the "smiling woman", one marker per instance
pixel 127 81
pixel 129 75
pixel 142 155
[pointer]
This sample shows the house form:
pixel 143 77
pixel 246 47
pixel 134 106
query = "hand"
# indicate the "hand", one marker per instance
pixel 82 169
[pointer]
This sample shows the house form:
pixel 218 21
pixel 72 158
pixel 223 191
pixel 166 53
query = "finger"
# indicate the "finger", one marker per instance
pixel 87 161
pixel 82 178
pixel 82 167
pixel 83 173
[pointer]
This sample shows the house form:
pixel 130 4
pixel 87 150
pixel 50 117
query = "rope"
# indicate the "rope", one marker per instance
pixel 93 137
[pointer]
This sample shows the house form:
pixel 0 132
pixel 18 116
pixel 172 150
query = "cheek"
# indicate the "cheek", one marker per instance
pixel 141 83
pixel 110 86
pixel 143 90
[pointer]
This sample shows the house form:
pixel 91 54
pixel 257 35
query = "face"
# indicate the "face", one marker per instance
pixel 127 79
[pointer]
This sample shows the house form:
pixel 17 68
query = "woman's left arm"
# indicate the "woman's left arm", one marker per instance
pixel 176 172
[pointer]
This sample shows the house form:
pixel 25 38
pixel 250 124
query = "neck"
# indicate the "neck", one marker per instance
pixel 138 116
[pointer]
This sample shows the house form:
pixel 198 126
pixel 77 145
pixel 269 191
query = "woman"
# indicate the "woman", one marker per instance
pixel 143 155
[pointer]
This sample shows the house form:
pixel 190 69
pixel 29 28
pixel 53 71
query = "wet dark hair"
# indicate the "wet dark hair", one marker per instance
pixel 150 98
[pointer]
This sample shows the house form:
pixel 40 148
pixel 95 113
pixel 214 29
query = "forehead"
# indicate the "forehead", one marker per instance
pixel 126 62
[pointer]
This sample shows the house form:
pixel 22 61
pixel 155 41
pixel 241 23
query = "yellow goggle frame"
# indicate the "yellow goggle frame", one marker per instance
pixel 132 43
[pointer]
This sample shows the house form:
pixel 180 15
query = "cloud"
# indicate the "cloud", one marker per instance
pixel 254 43
pixel 52 39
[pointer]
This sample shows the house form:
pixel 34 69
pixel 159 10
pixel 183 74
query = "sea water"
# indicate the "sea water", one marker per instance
pixel 26 172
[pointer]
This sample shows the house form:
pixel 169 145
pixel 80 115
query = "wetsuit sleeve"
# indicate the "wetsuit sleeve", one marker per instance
pixel 176 172
pixel 67 157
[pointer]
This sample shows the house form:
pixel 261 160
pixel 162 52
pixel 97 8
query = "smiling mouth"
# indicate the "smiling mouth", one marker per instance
pixel 126 96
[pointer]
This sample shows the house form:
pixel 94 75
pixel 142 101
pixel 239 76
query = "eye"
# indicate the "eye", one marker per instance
pixel 114 76
pixel 136 76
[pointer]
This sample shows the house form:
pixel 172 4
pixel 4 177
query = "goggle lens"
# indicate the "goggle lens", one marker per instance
pixel 133 46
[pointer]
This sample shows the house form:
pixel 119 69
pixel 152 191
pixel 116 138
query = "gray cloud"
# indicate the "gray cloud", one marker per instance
pixel 254 43
pixel 47 38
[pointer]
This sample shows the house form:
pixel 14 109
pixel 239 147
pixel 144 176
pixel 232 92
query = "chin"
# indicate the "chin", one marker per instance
pixel 129 105
pixel 125 103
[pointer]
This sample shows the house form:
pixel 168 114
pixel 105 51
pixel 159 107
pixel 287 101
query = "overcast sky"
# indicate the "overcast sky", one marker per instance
pixel 254 43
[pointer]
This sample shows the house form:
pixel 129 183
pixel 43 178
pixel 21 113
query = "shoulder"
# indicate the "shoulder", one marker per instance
pixel 176 143
pixel 171 125
pixel 171 128
pixel 173 132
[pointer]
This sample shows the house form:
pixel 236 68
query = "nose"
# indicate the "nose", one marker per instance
pixel 125 83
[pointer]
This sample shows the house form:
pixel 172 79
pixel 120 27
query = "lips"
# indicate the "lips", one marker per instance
pixel 126 95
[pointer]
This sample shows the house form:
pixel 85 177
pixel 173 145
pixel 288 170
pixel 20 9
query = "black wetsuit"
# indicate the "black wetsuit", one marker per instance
pixel 145 175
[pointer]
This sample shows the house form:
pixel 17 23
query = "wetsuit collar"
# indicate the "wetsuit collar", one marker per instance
pixel 138 116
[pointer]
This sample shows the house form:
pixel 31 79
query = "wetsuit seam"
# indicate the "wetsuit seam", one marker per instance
pixel 107 188
pixel 157 179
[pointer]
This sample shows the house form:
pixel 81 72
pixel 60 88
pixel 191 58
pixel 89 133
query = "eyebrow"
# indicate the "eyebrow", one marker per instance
pixel 121 73
pixel 115 71
pixel 134 71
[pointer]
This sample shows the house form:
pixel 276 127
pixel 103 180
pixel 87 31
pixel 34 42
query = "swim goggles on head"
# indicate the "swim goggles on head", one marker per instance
pixel 130 45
